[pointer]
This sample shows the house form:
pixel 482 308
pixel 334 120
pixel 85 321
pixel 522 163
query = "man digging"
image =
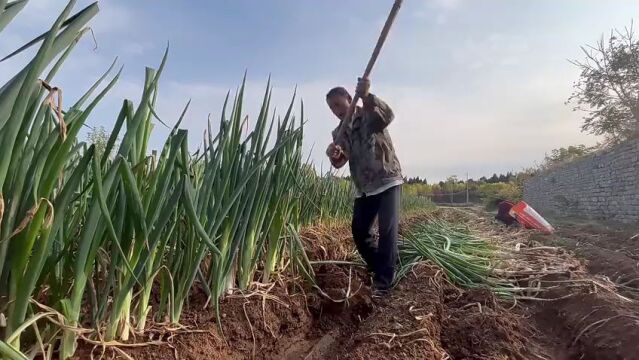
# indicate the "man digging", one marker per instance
pixel 366 145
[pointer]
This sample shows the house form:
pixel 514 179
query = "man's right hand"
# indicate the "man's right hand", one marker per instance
pixel 334 151
pixel 336 155
pixel 339 162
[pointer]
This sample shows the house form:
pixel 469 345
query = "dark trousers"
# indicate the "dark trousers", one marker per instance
pixel 380 258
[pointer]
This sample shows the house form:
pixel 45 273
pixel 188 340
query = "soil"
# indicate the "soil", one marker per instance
pixel 585 314
pixel 591 326
pixel 601 324
pixel 578 315
pixel 610 252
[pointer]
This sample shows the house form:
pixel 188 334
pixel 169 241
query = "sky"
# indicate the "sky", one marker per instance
pixel 477 86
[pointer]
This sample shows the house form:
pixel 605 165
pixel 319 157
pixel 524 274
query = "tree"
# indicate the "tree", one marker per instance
pixel 563 155
pixel 415 180
pixel 98 136
pixel 608 86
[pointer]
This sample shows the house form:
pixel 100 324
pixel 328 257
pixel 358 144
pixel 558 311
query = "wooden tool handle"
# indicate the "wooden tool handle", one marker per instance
pixel 371 62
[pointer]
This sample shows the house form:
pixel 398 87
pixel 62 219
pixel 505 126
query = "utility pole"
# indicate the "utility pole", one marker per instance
pixel 467 195
pixel 451 190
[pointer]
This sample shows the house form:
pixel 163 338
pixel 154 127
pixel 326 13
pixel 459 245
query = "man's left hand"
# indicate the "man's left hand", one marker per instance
pixel 334 151
pixel 363 87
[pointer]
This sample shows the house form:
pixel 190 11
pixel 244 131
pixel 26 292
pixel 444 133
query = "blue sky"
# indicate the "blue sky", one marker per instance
pixel 477 86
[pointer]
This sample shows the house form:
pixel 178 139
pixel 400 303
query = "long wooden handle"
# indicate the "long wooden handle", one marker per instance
pixel 371 62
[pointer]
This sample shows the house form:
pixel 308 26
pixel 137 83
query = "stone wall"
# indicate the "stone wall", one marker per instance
pixel 602 186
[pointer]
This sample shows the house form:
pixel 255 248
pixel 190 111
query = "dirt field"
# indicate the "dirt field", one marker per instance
pixel 586 315
pixel 571 311
pixel 608 251
pixel 603 325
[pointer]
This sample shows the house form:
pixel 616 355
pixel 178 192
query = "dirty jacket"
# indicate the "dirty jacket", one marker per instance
pixel 369 148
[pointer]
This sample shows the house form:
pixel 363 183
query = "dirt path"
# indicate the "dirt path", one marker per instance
pixel 581 315
pixel 604 325
pixel 588 314
pixel 424 318
pixel 608 252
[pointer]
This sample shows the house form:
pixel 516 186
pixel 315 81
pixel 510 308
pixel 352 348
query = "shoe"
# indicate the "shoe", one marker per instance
pixel 380 292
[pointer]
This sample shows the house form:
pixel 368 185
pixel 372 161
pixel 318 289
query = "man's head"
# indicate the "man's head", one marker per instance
pixel 339 100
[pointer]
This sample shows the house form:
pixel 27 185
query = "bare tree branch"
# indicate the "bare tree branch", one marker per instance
pixel 608 87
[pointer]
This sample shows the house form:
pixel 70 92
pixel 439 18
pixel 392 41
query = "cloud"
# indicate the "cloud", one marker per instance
pixel 492 130
pixel 493 50
pixel 40 14
pixel 441 19
pixel 43 10
pixel 488 103
pixel 114 18
pixel 446 4
pixel 137 48
pixel 436 9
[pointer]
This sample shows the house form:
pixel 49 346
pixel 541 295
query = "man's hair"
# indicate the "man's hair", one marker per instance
pixel 338 91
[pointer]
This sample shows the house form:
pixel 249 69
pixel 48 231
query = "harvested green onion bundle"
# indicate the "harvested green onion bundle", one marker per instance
pixel 467 260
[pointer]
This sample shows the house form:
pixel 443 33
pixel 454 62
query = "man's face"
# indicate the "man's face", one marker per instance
pixel 339 105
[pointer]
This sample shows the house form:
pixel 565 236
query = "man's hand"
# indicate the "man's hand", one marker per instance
pixel 339 162
pixel 334 151
pixel 363 87
pixel 336 155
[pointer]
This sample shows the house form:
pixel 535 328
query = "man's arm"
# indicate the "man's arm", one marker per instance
pixel 379 112
pixel 338 151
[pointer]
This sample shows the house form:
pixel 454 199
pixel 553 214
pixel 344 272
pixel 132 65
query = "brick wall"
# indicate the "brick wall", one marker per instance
pixel 602 186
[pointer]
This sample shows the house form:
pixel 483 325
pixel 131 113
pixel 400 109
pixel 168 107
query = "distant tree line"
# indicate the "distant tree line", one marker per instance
pixel 501 178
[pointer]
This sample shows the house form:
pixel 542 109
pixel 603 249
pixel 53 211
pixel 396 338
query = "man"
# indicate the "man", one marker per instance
pixel 367 147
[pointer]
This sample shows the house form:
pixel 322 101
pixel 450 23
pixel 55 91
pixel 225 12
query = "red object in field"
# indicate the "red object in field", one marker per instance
pixel 529 218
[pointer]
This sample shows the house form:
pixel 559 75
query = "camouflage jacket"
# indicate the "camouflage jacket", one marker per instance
pixel 369 148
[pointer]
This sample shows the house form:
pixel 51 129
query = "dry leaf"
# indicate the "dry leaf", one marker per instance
pixel 27 219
